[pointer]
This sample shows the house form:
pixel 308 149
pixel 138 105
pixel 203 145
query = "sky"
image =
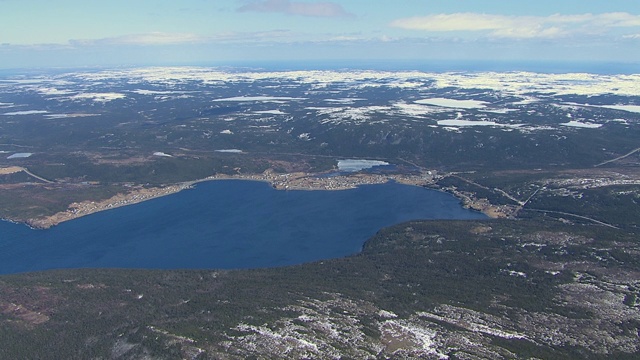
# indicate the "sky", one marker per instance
pixel 72 33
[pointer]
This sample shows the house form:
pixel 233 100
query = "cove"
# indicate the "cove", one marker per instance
pixel 229 224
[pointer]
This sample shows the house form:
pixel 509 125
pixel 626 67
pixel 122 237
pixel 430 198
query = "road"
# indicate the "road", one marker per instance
pixel 619 157
pixel 37 177
pixel 575 215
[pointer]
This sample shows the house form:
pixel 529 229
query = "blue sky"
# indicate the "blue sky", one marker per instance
pixel 42 33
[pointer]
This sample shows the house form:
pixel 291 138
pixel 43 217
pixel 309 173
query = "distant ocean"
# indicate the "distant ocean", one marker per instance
pixel 437 66
pixel 552 67
pixel 225 224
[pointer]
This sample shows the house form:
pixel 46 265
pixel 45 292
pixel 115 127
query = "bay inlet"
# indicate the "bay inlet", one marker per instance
pixel 225 224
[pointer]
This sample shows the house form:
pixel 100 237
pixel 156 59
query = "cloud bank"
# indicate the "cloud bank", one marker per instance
pixel 153 38
pixel 523 27
pixel 160 38
pixel 315 9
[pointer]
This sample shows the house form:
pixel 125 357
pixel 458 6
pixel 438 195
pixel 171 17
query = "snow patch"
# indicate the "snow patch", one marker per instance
pixel 422 338
pixel 271 112
pixel 26 112
pixel 629 108
pixel 574 123
pixel 155 92
pixel 99 97
pixel 345 101
pixel 353 165
pixel 53 91
pixel 159 153
pixel 416 109
pixel 460 122
pixel 65 116
pixel 305 136
pixel 277 99
pixel 20 156
pixel 387 314
pixel 452 103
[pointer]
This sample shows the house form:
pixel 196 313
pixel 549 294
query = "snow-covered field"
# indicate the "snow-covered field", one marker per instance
pixel 452 103
pixel 458 101
pixel 353 165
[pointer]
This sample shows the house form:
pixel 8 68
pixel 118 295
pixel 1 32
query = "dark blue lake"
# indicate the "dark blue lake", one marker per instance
pixel 225 224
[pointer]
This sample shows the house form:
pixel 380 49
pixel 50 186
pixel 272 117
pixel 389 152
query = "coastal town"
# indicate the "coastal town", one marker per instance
pixel 79 209
pixel 294 181
pixel 281 181
pixel 333 180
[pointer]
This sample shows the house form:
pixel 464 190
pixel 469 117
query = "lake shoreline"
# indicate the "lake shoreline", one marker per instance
pixel 227 225
pixel 299 181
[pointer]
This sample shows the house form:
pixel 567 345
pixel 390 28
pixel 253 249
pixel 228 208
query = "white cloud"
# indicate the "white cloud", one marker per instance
pixel 618 19
pixel 154 38
pixel 521 26
pixel 317 9
pixel 158 38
